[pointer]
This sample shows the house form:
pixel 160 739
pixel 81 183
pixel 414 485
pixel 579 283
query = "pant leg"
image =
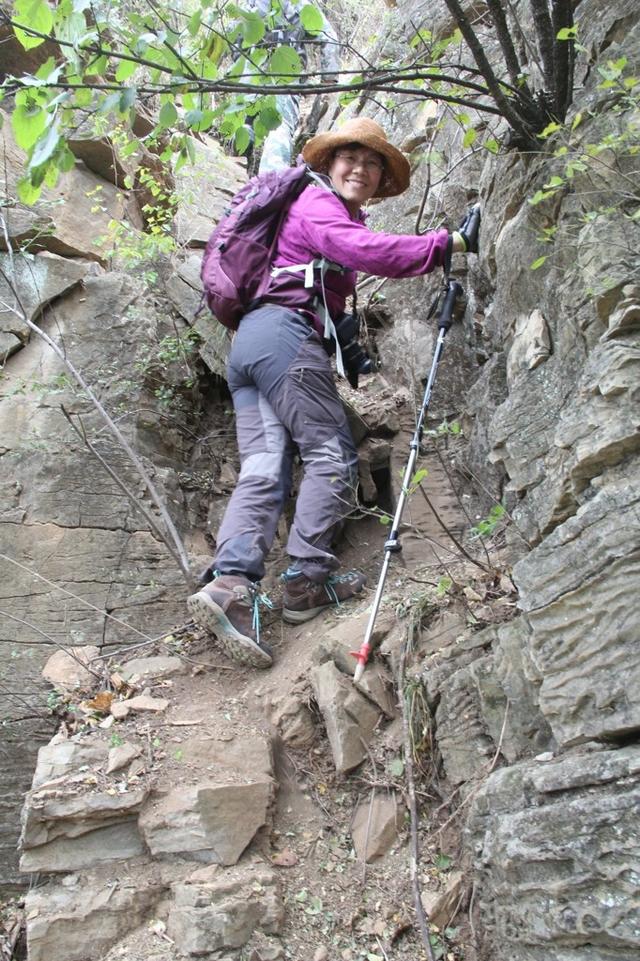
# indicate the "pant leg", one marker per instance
pixel 278 144
pixel 251 519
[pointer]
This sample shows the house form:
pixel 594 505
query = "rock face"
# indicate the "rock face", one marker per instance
pixel 81 922
pixel 557 855
pixel 212 912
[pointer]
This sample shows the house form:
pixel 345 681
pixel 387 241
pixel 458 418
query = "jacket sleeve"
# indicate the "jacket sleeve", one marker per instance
pixel 352 244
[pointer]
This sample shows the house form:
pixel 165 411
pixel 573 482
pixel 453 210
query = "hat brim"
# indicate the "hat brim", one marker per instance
pixel 318 153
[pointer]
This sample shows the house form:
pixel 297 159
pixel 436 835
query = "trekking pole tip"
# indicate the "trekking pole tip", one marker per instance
pixel 361 656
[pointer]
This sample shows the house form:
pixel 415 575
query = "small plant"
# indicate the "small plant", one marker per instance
pixel 444 585
pixel 486 527
pixel 444 429
pixel 116 740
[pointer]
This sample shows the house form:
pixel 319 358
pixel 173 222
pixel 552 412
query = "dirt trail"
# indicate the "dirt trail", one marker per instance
pixel 336 907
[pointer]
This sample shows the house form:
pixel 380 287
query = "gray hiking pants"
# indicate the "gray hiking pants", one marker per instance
pixel 284 397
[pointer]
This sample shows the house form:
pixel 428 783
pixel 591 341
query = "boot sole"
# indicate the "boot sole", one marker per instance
pixel 240 648
pixel 299 617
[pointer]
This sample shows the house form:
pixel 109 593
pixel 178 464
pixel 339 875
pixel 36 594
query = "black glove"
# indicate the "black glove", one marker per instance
pixel 470 228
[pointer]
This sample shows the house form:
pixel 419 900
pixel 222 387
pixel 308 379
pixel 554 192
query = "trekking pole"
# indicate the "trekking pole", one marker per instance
pixel 392 545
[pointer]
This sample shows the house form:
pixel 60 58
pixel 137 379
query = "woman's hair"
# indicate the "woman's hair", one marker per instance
pixel 355 145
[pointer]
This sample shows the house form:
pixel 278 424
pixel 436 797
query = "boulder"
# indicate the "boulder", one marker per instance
pixel 201 207
pixel 71 219
pixel 294 720
pixel 69 824
pixel 83 921
pixel 64 756
pixel 349 717
pixel 531 344
pixel 67 670
pixel 151 668
pixel 441 906
pixel 214 819
pixel 375 825
pixel 121 756
pixel 217 909
pixel 39 280
pixel 145 702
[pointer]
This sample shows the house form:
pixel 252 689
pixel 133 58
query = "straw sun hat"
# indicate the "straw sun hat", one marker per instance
pixel 318 153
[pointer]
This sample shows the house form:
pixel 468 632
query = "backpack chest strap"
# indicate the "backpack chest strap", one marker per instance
pixel 320 305
pixel 319 263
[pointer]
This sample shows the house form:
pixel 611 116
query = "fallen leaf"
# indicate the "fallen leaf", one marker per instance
pixel 101 702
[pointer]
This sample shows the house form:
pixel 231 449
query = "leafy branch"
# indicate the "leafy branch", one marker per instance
pixel 219 67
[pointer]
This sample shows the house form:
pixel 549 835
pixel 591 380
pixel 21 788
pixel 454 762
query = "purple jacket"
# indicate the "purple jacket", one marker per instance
pixel 320 225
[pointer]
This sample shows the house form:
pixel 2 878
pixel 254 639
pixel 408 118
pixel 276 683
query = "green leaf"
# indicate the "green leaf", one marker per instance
pixel 396 767
pixel 45 146
pixel 97 67
pixel 28 193
pixel 567 33
pixel 469 137
pixel 311 19
pixel 285 62
pixel 242 139
pixel 35 14
pixel 28 125
pixel 110 103
pixel 194 23
pixel 66 160
pixel 492 145
pixel 127 99
pixel 126 69
pixel 442 862
pixel 168 116
pixel 538 263
pixel 549 129
pixel 270 118
pixel 252 29
pixel 193 118
pixel 443 586
pixel 418 477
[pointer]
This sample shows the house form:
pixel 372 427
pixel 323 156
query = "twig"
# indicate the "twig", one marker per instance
pixel 423 919
pixel 131 497
pixel 113 428
pixel 449 533
pixel 53 642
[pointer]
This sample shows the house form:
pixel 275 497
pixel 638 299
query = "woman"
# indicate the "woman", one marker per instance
pixel 284 394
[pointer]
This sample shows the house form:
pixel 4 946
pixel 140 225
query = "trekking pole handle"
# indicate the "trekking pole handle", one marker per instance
pixel 445 317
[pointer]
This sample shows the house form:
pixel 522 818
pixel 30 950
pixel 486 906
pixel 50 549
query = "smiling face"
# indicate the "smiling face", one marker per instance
pixel 355 172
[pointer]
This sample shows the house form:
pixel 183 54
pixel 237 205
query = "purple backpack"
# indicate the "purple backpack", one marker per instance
pixel 236 267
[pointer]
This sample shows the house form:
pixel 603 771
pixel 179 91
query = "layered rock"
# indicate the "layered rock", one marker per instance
pixel 557 857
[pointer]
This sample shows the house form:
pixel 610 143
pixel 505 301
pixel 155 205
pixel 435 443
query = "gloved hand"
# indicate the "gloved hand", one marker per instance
pixel 470 228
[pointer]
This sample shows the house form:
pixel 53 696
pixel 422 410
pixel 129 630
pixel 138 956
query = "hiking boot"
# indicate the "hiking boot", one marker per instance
pixel 227 607
pixel 304 598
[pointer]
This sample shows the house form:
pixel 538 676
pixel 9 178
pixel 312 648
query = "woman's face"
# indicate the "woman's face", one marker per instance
pixel 356 172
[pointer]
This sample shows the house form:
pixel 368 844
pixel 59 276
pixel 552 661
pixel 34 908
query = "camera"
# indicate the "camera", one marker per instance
pixel 354 357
